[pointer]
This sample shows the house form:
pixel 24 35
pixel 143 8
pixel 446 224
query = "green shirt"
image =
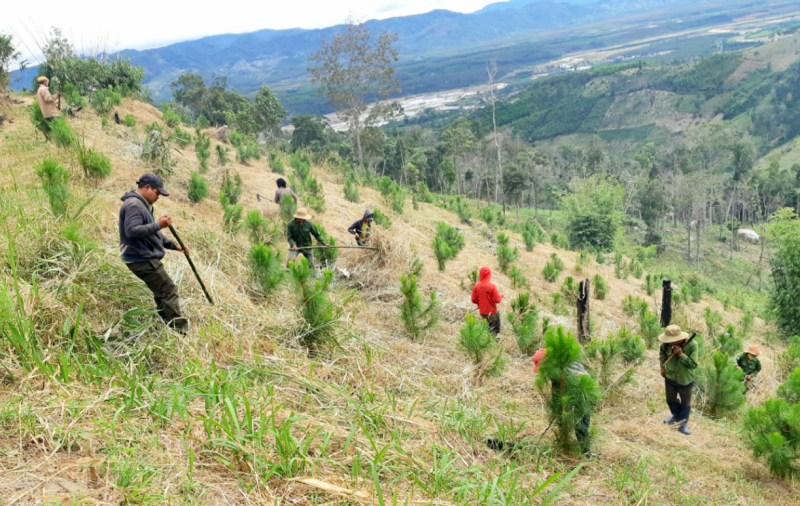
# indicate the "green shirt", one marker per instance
pixel 679 369
pixel 299 234
pixel 751 367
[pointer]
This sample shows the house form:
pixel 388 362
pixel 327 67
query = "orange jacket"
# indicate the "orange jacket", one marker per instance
pixel 485 294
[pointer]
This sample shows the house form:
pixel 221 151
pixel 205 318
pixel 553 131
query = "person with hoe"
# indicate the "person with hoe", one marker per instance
pixel 143 245
pixel 283 190
pixel 486 296
pixel 298 233
pixel 678 365
pixel 749 363
pixel 361 229
pixel 47 103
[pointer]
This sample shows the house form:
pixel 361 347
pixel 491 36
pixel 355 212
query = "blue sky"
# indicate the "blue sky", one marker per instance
pixel 93 25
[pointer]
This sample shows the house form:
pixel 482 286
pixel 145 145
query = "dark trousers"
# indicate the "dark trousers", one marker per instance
pixel 582 432
pixel 306 253
pixel 679 399
pixel 165 293
pixel 493 322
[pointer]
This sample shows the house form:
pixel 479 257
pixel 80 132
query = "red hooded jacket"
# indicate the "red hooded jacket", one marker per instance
pixel 485 294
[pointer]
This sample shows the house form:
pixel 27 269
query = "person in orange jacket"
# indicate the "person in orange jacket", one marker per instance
pixel 486 296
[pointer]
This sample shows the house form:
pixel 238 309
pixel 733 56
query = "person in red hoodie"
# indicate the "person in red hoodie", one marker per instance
pixel 486 296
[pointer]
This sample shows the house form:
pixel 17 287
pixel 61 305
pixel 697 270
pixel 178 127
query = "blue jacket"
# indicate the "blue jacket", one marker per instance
pixel 140 237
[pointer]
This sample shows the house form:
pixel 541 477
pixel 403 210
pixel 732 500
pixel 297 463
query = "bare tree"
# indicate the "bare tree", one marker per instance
pixel 352 69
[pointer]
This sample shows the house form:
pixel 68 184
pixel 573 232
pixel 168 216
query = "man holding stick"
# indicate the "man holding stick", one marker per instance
pixel 143 246
pixel 47 102
pixel 298 233
pixel 676 356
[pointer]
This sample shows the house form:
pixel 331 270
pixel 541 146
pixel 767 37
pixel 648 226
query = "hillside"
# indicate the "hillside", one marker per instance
pixel 139 415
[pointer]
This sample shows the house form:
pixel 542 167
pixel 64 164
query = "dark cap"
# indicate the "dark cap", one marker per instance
pixel 154 181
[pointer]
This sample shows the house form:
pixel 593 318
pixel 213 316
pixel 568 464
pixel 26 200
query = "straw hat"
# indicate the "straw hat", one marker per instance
pixel 302 214
pixel 672 334
pixel 42 79
pixel 753 350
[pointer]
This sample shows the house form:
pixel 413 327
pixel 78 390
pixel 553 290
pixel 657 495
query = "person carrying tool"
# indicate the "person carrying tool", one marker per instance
pixel 47 102
pixel 486 296
pixel 678 365
pixel 361 229
pixel 749 363
pixel 298 233
pixel 582 426
pixel 142 247
pixel 283 190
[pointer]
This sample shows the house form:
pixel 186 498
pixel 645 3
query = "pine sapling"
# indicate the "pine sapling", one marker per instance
pixel 480 345
pixel 524 323
pixel 607 353
pixel 54 182
pixel 600 287
pixel 327 256
pixel 721 385
pixel 518 279
pixel 266 268
pixel 505 254
pixel 319 314
pixel 417 317
pixel 261 230
pixel 198 187
pixel 288 208
pixel 632 347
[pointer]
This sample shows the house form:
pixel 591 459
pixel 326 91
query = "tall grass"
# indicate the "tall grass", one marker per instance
pixel 54 182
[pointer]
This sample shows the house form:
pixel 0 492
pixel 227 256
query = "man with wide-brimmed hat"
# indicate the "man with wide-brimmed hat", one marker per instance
pixel 676 356
pixel 143 247
pixel 749 363
pixel 299 232
pixel 47 102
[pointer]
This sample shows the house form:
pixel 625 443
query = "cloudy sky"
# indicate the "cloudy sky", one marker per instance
pixel 93 25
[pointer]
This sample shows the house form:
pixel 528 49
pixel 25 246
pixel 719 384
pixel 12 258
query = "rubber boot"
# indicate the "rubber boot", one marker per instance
pixel 671 420
pixel 684 428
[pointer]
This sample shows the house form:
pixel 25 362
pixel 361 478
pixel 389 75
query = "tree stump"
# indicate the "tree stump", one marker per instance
pixel 584 332
pixel 666 302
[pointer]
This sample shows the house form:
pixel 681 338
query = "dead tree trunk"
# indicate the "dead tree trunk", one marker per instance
pixel 666 302
pixel 584 330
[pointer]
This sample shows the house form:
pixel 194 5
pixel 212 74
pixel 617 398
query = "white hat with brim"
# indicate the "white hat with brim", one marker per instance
pixel 302 214
pixel 672 334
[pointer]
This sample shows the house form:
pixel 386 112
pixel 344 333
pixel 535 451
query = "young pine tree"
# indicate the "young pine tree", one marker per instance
pixel 480 345
pixel 54 182
pixel 266 268
pixel 198 187
pixel 506 255
pixel 632 347
pixel 261 230
pixel 524 318
pixel 572 396
pixel 288 208
pixel 327 256
pixel 606 353
pixel 319 314
pixel 721 385
pixel 600 287
pixel 773 430
pixel 417 317
pixel 447 243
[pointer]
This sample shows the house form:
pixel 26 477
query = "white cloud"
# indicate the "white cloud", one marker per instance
pixel 92 25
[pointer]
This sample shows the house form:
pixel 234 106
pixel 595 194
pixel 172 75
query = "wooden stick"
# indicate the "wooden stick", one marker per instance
pixel 191 264
pixel 338 247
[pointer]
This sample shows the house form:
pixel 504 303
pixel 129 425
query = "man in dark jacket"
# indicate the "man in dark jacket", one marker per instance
pixel 298 233
pixel 142 245
pixel 677 368
pixel 486 296
pixel 361 229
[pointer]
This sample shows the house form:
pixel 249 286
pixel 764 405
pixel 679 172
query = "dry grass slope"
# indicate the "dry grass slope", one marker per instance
pixel 382 409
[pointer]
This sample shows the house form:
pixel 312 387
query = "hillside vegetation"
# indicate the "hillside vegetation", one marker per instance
pixel 99 403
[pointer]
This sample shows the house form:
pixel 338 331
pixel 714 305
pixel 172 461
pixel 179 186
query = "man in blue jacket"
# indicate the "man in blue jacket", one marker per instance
pixel 142 246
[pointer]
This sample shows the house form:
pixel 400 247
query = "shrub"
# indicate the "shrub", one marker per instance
pixel 222 155
pixel 417 317
pixel 169 116
pixel 62 134
pixel 314 197
pixel 398 201
pixel 350 189
pixel 571 396
pixel 479 344
pixel 524 323
pixel 232 217
pixel 720 385
pixel 552 269
pixel 319 314
pixel 246 147
pixel 649 328
pixel 635 268
pixel 600 258
pixel 518 279
pixel 198 187
pixel 632 347
pixel 288 208
pixel 607 353
pixel 261 230
pixel 94 164
pixel 530 240
pixel 231 188
pixel 265 267
pixel 461 208
pixel 773 430
pixel 619 266
pixel 105 99
pixel 381 219
pixel 729 342
pixel 505 254
pixel 301 163
pixel 650 284
pixel 488 216
pixel 558 241
pixel 746 324
pixel 713 321
pixel 157 152
pixel 129 121
pixel 592 209
pixel 276 163
pixel 447 243
pixel 789 360
pixel 181 137
pixel 54 183
pixel 600 287
pixel 422 193
pixel 633 306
